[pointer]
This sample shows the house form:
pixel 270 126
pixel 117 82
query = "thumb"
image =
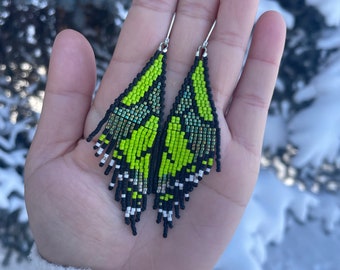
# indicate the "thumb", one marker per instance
pixel 70 84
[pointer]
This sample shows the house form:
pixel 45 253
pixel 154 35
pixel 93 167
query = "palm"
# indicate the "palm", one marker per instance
pixel 73 216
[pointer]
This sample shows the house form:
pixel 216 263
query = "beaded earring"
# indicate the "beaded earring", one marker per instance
pixel 190 141
pixel 132 124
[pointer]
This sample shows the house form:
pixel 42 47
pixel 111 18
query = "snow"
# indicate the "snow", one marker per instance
pixel 330 39
pixel 12 157
pixel 276 133
pixel 264 222
pixel 316 128
pixel 283 227
pixel 319 251
pixel 266 5
pixel 329 8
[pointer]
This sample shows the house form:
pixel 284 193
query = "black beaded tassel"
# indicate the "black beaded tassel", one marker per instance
pixel 132 124
pixel 189 144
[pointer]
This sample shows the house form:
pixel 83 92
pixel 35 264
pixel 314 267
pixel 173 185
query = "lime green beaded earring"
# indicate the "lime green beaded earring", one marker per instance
pixel 190 142
pixel 132 124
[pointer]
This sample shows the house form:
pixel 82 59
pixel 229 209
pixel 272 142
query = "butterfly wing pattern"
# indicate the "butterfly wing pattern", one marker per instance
pixel 190 143
pixel 126 143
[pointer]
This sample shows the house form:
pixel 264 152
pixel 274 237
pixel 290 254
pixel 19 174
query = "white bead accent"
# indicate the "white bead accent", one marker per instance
pixel 100 151
pixel 170 216
pixel 104 159
pixel 128 211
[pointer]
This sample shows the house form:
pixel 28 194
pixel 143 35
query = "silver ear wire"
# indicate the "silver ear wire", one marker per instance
pixel 203 49
pixel 164 45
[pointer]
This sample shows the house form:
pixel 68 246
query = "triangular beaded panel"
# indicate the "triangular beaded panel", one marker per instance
pixel 189 144
pixel 126 142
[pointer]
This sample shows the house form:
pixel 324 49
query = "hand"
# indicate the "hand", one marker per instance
pixel 73 216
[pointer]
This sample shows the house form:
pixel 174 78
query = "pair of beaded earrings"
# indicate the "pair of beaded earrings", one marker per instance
pixel 147 157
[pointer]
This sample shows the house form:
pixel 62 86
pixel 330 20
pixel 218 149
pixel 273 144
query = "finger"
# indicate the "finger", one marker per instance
pixel 248 112
pixel 70 84
pixel 144 29
pixel 227 46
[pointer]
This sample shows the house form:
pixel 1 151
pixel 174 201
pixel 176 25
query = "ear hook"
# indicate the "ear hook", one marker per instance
pixel 202 49
pixel 164 45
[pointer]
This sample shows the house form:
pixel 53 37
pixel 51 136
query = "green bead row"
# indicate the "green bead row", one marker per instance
pixel 145 82
pixel 201 95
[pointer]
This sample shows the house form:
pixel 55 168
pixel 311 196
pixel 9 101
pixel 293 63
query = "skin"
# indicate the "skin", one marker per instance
pixel 73 216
